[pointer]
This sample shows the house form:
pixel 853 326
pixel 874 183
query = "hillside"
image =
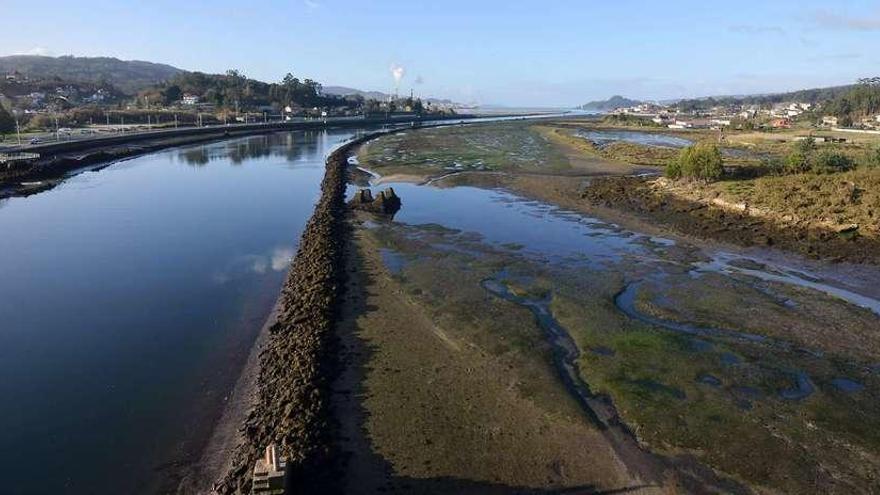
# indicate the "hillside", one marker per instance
pixel 376 95
pixel 345 91
pixel 813 95
pixel 610 104
pixel 129 76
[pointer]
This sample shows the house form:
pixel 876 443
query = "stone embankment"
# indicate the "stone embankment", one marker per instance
pixel 298 362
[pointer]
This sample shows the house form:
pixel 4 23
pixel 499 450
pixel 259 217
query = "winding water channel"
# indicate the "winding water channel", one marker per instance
pixel 746 362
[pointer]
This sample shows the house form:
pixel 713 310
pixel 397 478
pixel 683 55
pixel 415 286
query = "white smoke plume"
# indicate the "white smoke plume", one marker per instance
pixel 397 71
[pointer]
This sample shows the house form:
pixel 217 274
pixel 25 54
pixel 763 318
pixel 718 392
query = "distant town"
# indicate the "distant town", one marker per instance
pixel 52 104
pixel 849 108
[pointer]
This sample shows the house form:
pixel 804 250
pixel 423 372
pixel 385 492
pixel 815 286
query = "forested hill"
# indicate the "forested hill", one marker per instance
pixel 815 95
pixel 610 104
pixel 849 103
pixel 129 76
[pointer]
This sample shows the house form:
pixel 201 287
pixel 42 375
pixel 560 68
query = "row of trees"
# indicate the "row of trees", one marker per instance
pixel 234 90
pixel 863 100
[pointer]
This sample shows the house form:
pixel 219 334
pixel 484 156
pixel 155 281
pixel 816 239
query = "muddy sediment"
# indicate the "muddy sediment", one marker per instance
pixel 634 195
pixel 297 364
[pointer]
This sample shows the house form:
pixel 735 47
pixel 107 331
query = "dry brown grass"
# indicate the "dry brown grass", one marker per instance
pixel 834 200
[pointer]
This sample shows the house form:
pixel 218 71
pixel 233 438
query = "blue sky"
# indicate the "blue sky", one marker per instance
pixel 489 51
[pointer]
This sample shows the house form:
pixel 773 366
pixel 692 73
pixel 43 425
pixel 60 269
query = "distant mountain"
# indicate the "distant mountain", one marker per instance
pixel 129 76
pixel 374 95
pixel 344 91
pixel 610 104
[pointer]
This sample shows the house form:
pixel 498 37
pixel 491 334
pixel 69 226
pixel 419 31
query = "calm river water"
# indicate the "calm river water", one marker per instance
pixel 129 299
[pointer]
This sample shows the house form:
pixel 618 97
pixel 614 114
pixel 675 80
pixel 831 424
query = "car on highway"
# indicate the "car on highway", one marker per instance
pixel 35 141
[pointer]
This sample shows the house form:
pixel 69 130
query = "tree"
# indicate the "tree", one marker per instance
pixel 7 121
pixel 702 161
pixel 172 94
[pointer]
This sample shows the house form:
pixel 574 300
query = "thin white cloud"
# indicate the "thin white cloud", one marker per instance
pixel 311 4
pixel 751 29
pixel 831 20
pixel 834 56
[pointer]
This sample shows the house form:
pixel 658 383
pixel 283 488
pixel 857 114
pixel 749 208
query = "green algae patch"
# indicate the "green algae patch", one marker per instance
pixel 480 147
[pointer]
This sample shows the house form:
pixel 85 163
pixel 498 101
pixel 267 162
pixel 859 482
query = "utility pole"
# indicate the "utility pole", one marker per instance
pixel 175 121
pixel 17 127
pixel 108 119
pixel 56 126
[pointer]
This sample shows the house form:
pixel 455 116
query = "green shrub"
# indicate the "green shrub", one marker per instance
pixel 673 169
pixel 805 146
pixel 872 159
pixel 797 162
pixel 701 161
pixel 829 162
pixel 773 165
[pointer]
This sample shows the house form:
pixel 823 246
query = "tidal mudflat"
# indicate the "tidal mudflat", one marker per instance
pixel 729 370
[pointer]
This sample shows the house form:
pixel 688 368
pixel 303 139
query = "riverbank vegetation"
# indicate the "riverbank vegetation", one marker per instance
pixel 701 161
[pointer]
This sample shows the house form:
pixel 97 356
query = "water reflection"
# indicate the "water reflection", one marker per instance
pixel 130 297
pixel 292 146
pixel 276 260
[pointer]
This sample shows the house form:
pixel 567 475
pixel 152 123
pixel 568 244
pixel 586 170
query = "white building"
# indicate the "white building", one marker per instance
pixel 829 120
pixel 190 99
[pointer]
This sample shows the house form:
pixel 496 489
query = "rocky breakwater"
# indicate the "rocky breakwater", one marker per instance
pixel 297 363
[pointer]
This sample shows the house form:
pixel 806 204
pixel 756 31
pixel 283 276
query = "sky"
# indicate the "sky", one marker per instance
pixel 505 52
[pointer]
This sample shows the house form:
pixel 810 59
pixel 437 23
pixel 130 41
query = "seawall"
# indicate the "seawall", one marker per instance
pixel 297 364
